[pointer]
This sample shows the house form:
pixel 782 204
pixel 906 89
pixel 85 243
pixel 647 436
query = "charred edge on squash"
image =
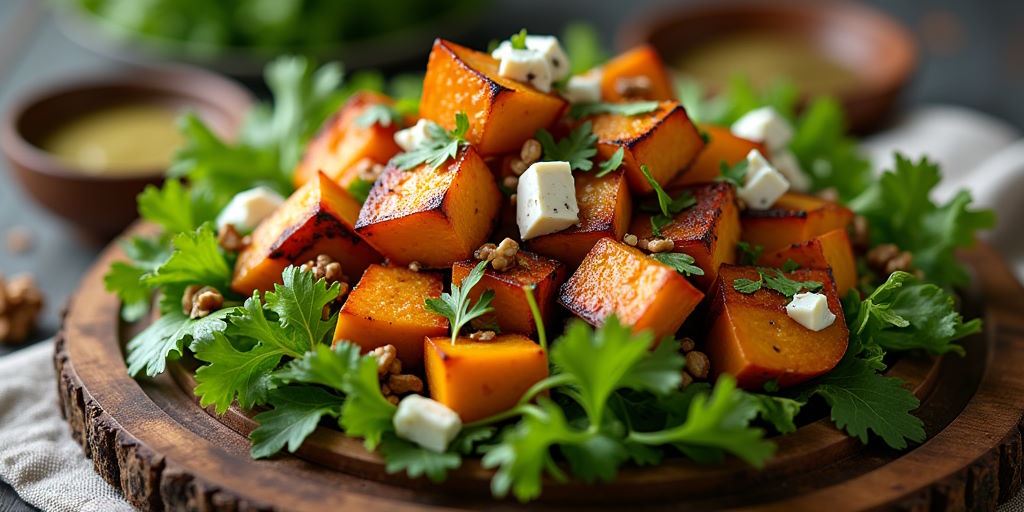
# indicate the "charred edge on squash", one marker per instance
pixel 775 213
pixel 631 143
pixel 507 277
pixel 325 224
pixel 494 87
pixel 432 203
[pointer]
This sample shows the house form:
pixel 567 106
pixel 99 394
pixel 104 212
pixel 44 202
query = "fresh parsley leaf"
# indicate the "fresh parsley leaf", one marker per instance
pixel 166 339
pixel 360 189
pixel 668 206
pixel 456 307
pixel 777 410
pixel 735 174
pixel 774 279
pixel 299 303
pixel 610 165
pixel 749 254
pixel 826 153
pixel 402 455
pixel 324 366
pixel 635 108
pixel 232 373
pixel 583 46
pixel 366 413
pixel 900 211
pixel 296 413
pixel 438 148
pixel 525 452
pixel 748 286
pixel 518 40
pixel 681 262
pixel 171 207
pixel 577 149
pixel 380 114
pixel 789 266
pixel 128 282
pixel 197 259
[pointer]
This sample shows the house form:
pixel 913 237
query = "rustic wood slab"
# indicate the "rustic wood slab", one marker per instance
pixel 151 439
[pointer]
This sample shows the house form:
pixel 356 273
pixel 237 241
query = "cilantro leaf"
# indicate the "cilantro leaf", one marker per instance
pixel 299 303
pixel 610 165
pixel 456 307
pixel 402 455
pixel 366 413
pixel 518 40
pixel 668 206
pixel 438 148
pixel 166 337
pixel 748 286
pixel 171 207
pixel 681 262
pixel 736 174
pixel 127 282
pixel 577 149
pixel 323 365
pixel 749 254
pixel 777 410
pixel 380 114
pixel 197 259
pixel 635 108
pixel 232 373
pixel 830 157
pixel 776 280
pixel 296 413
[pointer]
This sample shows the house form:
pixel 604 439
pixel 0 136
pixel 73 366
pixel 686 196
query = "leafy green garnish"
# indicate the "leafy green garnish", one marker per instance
pixel 583 46
pixel 635 108
pixel 166 338
pixel 296 413
pixel 748 255
pixel 359 189
pixel 681 262
pixel 415 461
pixel 668 206
pixel 611 164
pixel 775 279
pixel 456 307
pixel 900 211
pixel 735 174
pixel 439 148
pixel 829 156
pixel 380 114
pixel 577 149
pixel 518 40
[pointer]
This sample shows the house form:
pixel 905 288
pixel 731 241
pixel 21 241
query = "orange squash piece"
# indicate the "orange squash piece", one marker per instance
pixel 829 251
pixel 512 311
pixel 642 61
pixel 708 230
pixel 641 291
pixel 318 218
pixel 722 146
pixel 477 379
pixel 605 209
pixel 435 217
pixel 503 113
pixel 753 339
pixel 341 142
pixel 664 140
pixel 387 307
pixel 793 219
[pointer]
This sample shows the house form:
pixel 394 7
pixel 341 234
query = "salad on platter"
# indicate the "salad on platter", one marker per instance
pixel 557 264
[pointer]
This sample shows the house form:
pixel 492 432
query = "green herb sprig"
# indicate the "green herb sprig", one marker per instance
pixel 776 280
pixel 668 206
pixel 581 110
pixel 440 146
pixel 456 307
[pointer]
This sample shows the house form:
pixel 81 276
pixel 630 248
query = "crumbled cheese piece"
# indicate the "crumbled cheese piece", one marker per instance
pixel 583 88
pixel 811 311
pixel 546 199
pixel 426 422
pixel 248 208
pixel 549 48
pixel 786 163
pixel 764 125
pixel 764 184
pixel 524 66
pixel 417 134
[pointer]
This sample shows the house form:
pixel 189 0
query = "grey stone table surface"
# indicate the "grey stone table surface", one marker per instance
pixel 972 54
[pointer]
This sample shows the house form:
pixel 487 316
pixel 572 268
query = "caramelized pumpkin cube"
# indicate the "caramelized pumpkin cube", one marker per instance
pixel 478 379
pixel 664 140
pixel 753 339
pixel 342 142
pixel 642 62
pixel 318 218
pixel 793 219
pixel 388 307
pixel 829 251
pixel 643 292
pixel 708 230
pixel 605 209
pixel 512 310
pixel 433 216
pixel 721 146
pixel 503 113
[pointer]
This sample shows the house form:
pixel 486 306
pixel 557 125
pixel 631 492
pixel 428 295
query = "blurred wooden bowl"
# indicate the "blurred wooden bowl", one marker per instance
pixel 879 50
pixel 101 206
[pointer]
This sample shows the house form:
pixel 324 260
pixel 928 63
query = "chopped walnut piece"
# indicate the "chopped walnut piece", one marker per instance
pixel 501 257
pixel 324 267
pixel 403 384
pixel 859 236
pixel 518 166
pixel 368 170
pixel 687 380
pixel 19 240
pixel 484 251
pixel 385 356
pixel 902 261
pixel 512 199
pixel 482 335
pixel 633 86
pixel 199 301
pixel 888 258
pixel 660 245
pixel 510 182
pixel 530 152
pixel 687 344
pixel 630 240
pixel 20 304
pixel 396 367
pixel 698 365
pixel 231 240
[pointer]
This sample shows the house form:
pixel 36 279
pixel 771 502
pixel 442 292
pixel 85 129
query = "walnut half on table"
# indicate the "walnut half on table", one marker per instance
pixel 20 304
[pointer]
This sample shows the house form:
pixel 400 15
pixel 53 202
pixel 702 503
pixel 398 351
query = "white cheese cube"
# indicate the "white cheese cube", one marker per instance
pixel 546 199
pixel 811 311
pixel 764 125
pixel 550 49
pixel 584 88
pixel 247 209
pixel 764 184
pixel 416 135
pixel 786 163
pixel 524 66
pixel 426 422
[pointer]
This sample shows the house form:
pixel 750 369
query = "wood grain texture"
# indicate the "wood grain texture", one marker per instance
pixel 152 440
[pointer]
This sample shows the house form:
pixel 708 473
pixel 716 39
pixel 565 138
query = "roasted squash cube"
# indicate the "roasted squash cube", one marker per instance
pixel 503 113
pixel 753 339
pixel 829 251
pixel 643 292
pixel 708 230
pixel 793 219
pixel 387 307
pixel 433 216
pixel 605 209
pixel 342 142
pixel 643 62
pixel 318 218
pixel 722 146
pixel 478 379
pixel 664 140
pixel 512 312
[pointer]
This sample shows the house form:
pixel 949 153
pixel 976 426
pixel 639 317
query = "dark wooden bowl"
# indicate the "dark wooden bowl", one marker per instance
pixel 102 206
pixel 879 49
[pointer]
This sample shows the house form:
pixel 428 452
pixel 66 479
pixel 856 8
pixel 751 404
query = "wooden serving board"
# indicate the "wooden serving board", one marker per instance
pixel 151 439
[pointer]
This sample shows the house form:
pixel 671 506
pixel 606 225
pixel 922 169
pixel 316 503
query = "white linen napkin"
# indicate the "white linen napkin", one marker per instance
pixel 47 468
